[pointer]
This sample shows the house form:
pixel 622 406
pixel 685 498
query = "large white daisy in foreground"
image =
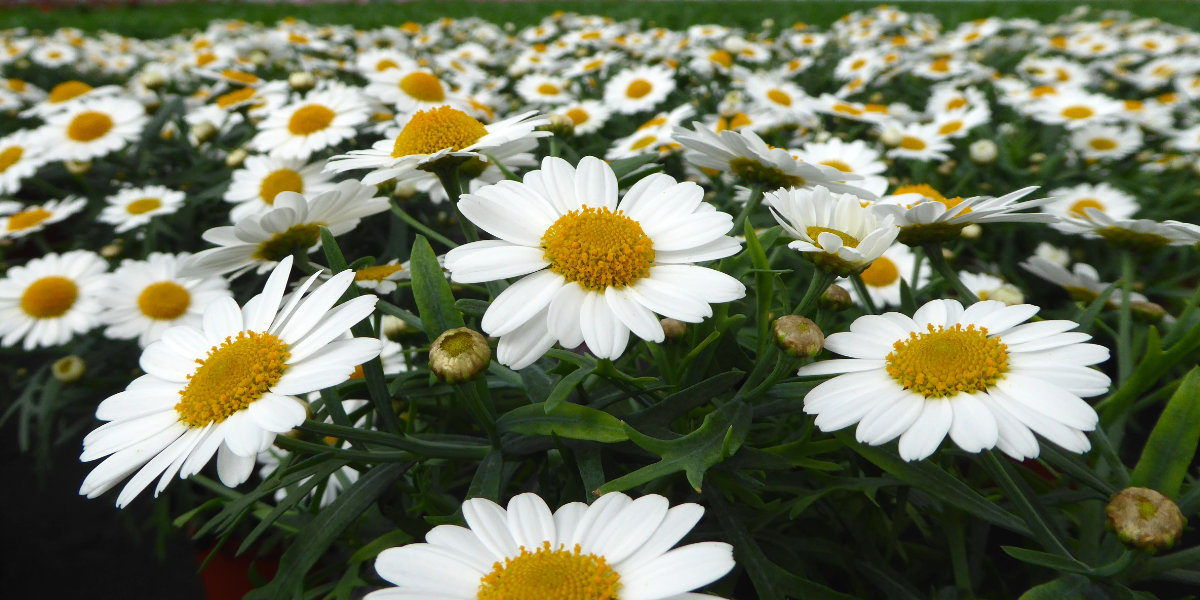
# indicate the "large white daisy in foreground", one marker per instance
pixel 616 548
pixel 226 388
pixel 594 268
pixel 980 374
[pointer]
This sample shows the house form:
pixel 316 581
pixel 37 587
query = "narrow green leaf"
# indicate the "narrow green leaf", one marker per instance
pixel 487 480
pixel 678 404
pixel 628 165
pixel 565 387
pixel 1063 588
pixel 471 306
pixel 1171 448
pixel 1045 559
pixel 333 253
pixel 435 301
pixel 571 421
pixel 293 498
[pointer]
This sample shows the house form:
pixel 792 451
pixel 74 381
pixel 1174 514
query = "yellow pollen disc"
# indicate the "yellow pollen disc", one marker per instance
pixel 740 120
pixel 68 90
pixel 847 239
pixel 882 273
pixel 942 362
pixel 578 116
pixel 923 189
pixel 283 180
pixel 875 108
pixel 858 64
pixel 956 104
pixel 643 142
pixel 909 142
pixel 232 377
pixel 239 76
pixel 164 300
pixel 940 65
pixel 722 58
pixel 49 297
pixel 550 575
pixel 779 97
pixel 300 237
pixel 205 59
pixel 1077 112
pixel 28 218
pixel 592 66
pixel 377 272
pixel 386 64
pixel 90 125
pixel 638 88
pixel 142 206
pixel 598 248
pixel 437 129
pixel 423 86
pixel 950 127
pixel 846 109
pixel 310 119
pixel 1079 205
pixel 10 156
pixel 756 172
pixel 234 97
pixel 1167 98
pixel 16 85
pixel 837 164
pixel 1133 105
pixel 1102 144
pixel 548 89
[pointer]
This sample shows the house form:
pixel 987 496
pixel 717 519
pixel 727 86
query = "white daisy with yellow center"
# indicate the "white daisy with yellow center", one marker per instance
pixel 1106 142
pixel 1129 233
pixel 412 89
pixel 537 88
pixel 836 232
pixel 883 276
pixel 587 116
pixel 134 207
pixel 1074 200
pixel 145 297
pixel 50 299
pixel 926 216
pixel 92 128
pixel 20 157
pixel 855 156
pixel 325 117
pixel 592 268
pixel 253 187
pixel 226 388
pixel 24 220
pixel 918 141
pixel 638 89
pixel 616 548
pixel 980 374
pixel 1074 108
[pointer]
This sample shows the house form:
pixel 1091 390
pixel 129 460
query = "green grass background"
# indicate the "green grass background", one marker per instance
pixel 158 21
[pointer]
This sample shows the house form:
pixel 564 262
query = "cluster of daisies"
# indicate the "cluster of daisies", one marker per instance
pixel 595 182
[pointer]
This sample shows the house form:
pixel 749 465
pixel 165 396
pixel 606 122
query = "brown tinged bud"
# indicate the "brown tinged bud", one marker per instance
pixel 78 167
pixel 560 125
pixel 393 327
pixel 673 328
pixel 459 354
pixel 68 369
pixel 798 336
pixel 1145 519
pixel 204 131
pixel 302 81
pixel 835 298
pixel 112 250
pixel 235 159
pixel 1147 312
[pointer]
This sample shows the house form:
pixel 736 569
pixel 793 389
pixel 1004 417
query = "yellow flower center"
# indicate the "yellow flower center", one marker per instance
pixel 205 59
pixel 431 130
pixel 755 172
pixel 282 180
pixel 310 119
pixel 643 142
pixel 779 97
pixel 234 97
pixel 882 273
pixel 231 377
pixel 10 156
pixel 950 127
pixel 847 239
pixel 49 297
pixel 28 218
pixel 423 86
pixel 300 237
pixel 598 248
pixel 16 85
pixel 942 362
pixel 909 142
pixel 722 58
pixel 578 116
pixel 239 76
pixel 142 206
pixel 847 109
pixel 940 65
pixel 1079 205
pixel 956 103
pixel 377 272
pixel 1102 144
pixel 548 89
pixel 837 164
pixel 87 126
pixel 1077 112
pixel 386 64
pixel 550 575
pixel 638 88
pixel 165 300
pixel 1133 240
pixel 68 90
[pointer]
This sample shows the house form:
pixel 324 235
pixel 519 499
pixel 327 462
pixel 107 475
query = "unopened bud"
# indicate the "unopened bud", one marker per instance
pixel 393 327
pixel 68 369
pixel 111 250
pixel 1147 312
pixel 891 137
pixel 1037 157
pixel 78 167
pixel 1006 293
pixel 1145 519
pixel 673 328
pixel 947 167
pixel 404 190
pixel 204 131
pixel 235 159
pixel 152 80
pixel 798 336
pixel 971 232
pixel 560 125
pixel 983 151
pixel 835 298
pixel 302 81
pixel 259 58
pixel 459 354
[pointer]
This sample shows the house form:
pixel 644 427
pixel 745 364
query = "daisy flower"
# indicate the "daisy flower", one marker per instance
pixel 410 89
pixel 382 278
pixel 1128 233
pixel 882 278
pixel 322 119
pixel 980 374
pixel 293 225
pixel 48 300
pixel 1106 142
pixel 33 219
pixel 92 128
pixel 588 116
pixel 429 136
pixel 552 227
pixel 1074 108
pixel 990 287
pixel 835 232
pixel 782 98
pixel 20 157
pixel 134 207
pixel 1071 202
pixel 226 388
pixel 855 156
pixel 1082 282
pixel 253 187
pixel 919 141
pixel 638 89
pixel 144 298
pixel 536 88
pixel 617 547
pixel 926 216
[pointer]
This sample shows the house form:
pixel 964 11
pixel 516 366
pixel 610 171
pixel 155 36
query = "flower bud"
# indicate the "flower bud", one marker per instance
pixel 302 81
pixel 152 80
pixel 798 336
pixel 1037 157
pixel 560 125
pixel 259 58
pixel 204 131
pixel 983 151
pixel 235 159
pixel 1147 312
pixel 68 369
pixel 891 137
pixel 78 167
pixel 835 298
pixel 111 250
pixel 1145 519
pixel 393 327
pixel 1006 293
pixel 459 354
pixel 673 328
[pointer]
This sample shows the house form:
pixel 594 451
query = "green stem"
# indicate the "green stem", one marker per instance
pixel 453 187
pixel 1125 319
pixel 482 411
pixel 752 202
pixel 816 286
pixel 419 226
pixel 938 260
pixel 1029 513
pixel 864 296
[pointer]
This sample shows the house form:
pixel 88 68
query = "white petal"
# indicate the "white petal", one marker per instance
pixel 530 521
pixel 678 571
pixel 490 523
pixel 520 302
pixel 973 428
pixel 927 432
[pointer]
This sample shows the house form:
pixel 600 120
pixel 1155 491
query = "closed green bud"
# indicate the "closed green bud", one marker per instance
pixel 459 355
pixel 798 336
pixel 836 298
pixel 1145 519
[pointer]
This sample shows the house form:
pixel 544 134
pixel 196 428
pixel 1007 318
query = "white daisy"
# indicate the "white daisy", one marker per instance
pixel 21 155
pixel 1071 202
pixel 1082 282
pixel 1129 233
pixel 411 89
pixel 977 374
pixel 1106 142
pixel 553 228
pixel 882 278
pixel 919 141
pixel 617 547
pixel 639 89
pixel 49 299
pixel 32 219
pixel 836 232
pixel 926 216
pixel 134 207
pixel 588 116
pixel 92 128
pixel 144 298
pixel 322 119
pixel 226 388
pixel 537 88
pixel 253 187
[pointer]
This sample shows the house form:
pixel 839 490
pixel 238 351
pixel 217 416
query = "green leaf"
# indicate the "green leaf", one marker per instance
pixel 719 436
pixel 764 289
pixel 571 421
pixel 471 306
pixel 390 539
pixel 486 483
pixel 1172 444
pixel 1071 587
pixel 435 301
pixel 293 498
pixel 565 387
pixel 678 404
pixel 626 166
pixel 310 544
pixel 1045 559
pixel 333 253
